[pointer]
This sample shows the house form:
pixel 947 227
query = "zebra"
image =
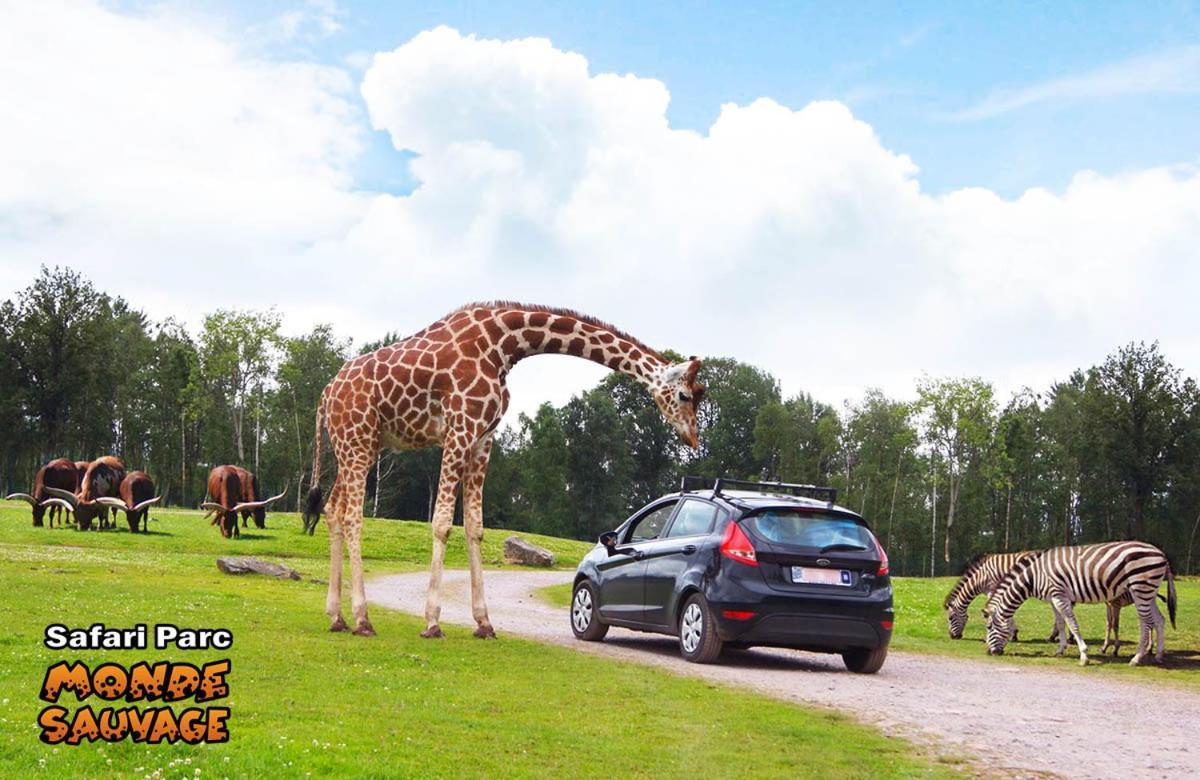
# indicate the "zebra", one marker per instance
pixel 1087 574
pixel 981 575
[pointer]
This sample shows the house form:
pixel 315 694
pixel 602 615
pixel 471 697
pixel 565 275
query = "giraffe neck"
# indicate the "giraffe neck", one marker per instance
pixel 528 333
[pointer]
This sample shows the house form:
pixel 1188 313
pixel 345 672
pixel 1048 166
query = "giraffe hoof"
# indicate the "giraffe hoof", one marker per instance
pixel 339 625
pixel 364 629
pixel 485 632
pixel 433 632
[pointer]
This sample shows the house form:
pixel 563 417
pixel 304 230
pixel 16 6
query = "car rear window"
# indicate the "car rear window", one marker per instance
pixel 809 529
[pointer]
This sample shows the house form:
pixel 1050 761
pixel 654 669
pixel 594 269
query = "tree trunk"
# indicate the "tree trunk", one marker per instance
pixel 895 488
pixel 933 527
pixel 1007 517
pixel 955 483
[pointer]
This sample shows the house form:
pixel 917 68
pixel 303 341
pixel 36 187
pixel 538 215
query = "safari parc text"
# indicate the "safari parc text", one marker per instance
pixel 137 684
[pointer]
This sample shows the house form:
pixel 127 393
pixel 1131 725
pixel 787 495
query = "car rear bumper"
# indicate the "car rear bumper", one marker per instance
pixel 828 623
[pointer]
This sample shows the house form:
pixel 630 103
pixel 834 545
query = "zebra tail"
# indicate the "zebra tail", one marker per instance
pixel 1171 595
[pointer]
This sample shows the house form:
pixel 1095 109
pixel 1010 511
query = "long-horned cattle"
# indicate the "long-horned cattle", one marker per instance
pixel 102 479
pixel 225 498
pixel 251 494
pixel 58 473
pixel 137 494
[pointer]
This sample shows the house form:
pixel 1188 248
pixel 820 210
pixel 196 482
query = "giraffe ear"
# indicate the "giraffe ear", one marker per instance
pixel 671 374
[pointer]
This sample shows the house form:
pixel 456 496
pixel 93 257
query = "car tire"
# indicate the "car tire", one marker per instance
pixel 864 660
pixel 585 618
pixel 698 640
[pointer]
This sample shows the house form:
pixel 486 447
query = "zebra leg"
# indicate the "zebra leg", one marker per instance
pixel 1160 624
pixel 1112 626
pixel 1063 606
pixel 1147 611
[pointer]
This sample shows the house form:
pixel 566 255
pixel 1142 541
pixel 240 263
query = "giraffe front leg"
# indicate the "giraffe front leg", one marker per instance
pixel 453 459
pixel 333 600
pixel 473 525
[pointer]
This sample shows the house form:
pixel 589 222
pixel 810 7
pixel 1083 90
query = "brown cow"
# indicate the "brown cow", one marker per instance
pixel 250 492
pixel 101 480
pixel 137 494
pixel 58 473
pixel 225 492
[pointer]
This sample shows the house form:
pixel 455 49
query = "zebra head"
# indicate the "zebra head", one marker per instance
pixel 956 616
pixel 999 630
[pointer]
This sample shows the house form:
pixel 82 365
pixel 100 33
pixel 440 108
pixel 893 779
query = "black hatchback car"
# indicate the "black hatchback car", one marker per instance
pixel 738 564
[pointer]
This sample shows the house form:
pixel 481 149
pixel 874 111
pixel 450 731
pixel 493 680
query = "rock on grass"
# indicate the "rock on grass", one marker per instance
pixel 523 553
pixel 244 565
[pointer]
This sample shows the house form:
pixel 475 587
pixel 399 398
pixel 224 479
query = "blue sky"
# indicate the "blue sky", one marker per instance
pixel 1002 190
pixel 905 68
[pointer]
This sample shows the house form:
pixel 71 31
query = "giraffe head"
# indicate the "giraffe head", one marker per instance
pixel 678 395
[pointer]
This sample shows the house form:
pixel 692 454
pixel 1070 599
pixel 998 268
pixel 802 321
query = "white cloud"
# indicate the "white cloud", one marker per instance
pixel 793 239
pixel 1174 71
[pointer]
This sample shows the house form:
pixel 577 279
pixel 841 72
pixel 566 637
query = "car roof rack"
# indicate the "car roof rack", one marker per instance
pixel 827 494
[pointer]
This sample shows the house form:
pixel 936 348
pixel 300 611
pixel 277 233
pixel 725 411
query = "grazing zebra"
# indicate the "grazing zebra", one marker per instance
pixel 981 575
pixel 1087 575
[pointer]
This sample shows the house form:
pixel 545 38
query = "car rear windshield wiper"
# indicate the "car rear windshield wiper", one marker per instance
pixel 842 546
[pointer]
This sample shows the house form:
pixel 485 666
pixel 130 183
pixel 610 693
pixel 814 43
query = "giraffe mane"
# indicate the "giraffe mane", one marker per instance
pixel 590 320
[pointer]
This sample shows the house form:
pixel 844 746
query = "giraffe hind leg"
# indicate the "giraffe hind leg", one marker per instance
pixel 473 526
pixel 333 517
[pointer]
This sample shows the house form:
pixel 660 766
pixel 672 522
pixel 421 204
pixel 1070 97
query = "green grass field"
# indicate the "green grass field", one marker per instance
pixel 307 702
pixel 921 627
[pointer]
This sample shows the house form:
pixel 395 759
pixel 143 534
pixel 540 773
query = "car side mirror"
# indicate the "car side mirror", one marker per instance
pixel 608 539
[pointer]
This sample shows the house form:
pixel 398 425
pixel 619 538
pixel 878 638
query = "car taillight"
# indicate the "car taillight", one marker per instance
pixel 886 625
pixel 736 614
pixel 883 559
pixel 736 546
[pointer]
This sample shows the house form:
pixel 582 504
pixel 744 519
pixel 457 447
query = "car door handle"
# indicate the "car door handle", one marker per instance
pixel 689 548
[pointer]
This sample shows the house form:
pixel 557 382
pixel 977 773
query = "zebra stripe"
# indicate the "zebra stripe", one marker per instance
pixel 1111 572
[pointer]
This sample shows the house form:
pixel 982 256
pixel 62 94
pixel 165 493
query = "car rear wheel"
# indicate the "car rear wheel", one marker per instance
pixel 698 640
pixel 585 623
pixel 864 660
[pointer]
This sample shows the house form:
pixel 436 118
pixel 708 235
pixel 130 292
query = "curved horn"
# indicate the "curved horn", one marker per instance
pixel 109 501
pixel 212 506
pixel 65 495
pixel 248 505
pixel 23 496
pixel 58 502
pixel 147 503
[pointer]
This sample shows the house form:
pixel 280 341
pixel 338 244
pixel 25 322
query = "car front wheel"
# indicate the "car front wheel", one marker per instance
pixel 698 640
pixel 585 622
pixel 864 660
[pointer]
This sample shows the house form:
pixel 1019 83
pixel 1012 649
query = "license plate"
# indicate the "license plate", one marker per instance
pixel 810 576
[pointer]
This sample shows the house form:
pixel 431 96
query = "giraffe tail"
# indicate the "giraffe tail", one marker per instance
pixel 312 504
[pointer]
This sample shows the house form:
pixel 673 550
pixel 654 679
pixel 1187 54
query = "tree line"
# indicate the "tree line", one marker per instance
pixel 1109 452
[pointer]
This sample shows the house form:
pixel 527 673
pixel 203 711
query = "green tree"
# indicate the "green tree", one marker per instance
pixel 958 417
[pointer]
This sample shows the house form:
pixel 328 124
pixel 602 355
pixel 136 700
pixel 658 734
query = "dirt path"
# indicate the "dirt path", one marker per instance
pixel 1011 718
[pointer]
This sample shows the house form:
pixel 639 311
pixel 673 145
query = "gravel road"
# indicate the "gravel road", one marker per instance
pixel 1011 719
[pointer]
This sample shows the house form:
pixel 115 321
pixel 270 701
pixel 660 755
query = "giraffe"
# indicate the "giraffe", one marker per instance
pixel 445 385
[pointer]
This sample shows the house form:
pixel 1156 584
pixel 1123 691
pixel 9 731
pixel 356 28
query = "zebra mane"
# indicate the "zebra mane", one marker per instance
pixel 1017 568
pixel 967 570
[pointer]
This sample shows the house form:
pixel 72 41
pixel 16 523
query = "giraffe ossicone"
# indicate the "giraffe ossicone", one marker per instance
pixel 445 386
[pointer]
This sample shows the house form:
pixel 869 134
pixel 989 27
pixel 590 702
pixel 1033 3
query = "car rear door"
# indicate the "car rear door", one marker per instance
pixel 622 584
pixel 670 557
pixel 815 553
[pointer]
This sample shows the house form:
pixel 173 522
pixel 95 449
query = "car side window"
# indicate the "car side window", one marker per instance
pixel 651 525
pixel 694 519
